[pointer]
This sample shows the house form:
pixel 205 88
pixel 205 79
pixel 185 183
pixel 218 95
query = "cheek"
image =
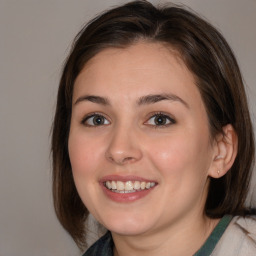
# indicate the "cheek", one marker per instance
pixel 84 157
pixel 180 155
pixel 169 151
pixel 84 154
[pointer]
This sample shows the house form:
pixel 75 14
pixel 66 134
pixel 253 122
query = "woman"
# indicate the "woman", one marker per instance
pixel 152 136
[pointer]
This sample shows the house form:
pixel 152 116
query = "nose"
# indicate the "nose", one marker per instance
pixel 124 147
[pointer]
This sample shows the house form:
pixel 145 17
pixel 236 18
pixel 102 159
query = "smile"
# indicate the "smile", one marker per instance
pixel 128 186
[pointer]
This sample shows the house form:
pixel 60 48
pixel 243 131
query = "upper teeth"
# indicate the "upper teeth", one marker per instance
pixel 128 186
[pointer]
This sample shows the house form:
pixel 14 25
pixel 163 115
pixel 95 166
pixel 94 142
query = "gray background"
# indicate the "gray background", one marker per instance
pixel 35 37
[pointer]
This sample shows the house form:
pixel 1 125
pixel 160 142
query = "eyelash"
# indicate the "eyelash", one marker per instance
pixel 162 115
pixel 152 115
pixel 93 115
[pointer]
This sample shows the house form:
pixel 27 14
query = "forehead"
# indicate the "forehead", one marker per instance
pixel 143 55
pixel 143 68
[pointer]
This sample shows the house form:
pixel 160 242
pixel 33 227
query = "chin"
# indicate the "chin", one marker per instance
pixel 128 231
pixel 127 226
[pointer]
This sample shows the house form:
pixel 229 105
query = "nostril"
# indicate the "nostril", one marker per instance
pixel 123 153
pixel 121 160
pixel 128 158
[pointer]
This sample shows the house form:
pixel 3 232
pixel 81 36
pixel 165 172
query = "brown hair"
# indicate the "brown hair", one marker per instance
pixel 206 54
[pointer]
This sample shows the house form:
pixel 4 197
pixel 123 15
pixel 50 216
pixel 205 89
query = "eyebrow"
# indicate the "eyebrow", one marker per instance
pixel 94 99
pixel 144 100
pixel 154 98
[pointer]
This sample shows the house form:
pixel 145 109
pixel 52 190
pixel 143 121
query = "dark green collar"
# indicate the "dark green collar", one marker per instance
pixel 215 236
pixel 104 246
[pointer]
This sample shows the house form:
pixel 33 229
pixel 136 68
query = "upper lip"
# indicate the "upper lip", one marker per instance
pixel 124 178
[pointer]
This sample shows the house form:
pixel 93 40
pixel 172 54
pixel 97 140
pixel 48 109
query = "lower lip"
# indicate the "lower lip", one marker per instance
pixel 126 197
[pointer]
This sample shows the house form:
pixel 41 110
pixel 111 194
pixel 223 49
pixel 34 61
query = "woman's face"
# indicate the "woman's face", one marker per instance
pixel 139 141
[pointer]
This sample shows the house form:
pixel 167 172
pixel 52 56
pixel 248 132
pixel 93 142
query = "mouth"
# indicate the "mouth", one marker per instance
pixel 128 186
pixel 126 189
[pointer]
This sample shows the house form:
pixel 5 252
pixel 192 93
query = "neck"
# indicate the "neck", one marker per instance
pixel 180 239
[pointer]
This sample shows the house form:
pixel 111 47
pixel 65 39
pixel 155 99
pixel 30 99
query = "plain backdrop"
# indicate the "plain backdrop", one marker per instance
pixel 35 37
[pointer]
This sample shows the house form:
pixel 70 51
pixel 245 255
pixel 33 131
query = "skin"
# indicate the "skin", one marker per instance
pixel 180 156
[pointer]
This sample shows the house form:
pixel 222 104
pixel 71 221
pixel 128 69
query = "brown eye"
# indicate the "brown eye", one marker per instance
pixel 160 120
pixel 96 120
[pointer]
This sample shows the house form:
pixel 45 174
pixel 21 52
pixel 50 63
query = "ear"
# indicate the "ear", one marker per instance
pixel 224 152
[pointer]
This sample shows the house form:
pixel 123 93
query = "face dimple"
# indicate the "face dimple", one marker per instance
pixel 155 129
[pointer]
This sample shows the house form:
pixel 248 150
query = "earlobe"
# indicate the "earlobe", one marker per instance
pixel 225 151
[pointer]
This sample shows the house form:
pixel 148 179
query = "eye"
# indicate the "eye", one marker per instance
pixel 160 120
pixel 95 120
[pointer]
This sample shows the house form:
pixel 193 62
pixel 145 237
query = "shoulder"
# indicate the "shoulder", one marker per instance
pixel 239 238
pixel 102 247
